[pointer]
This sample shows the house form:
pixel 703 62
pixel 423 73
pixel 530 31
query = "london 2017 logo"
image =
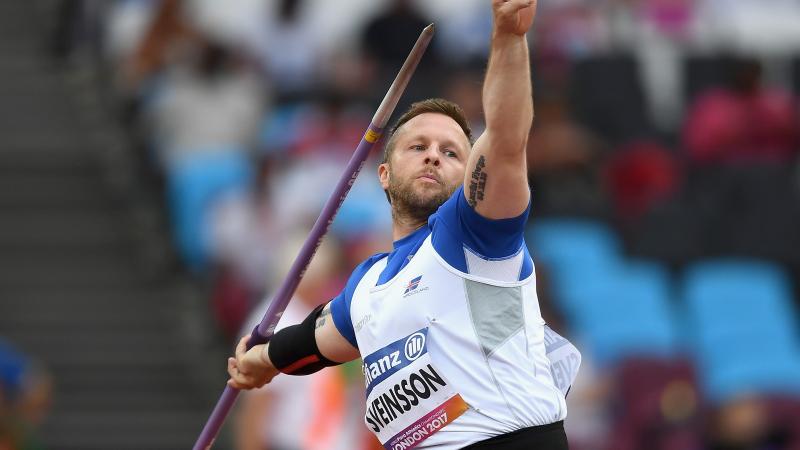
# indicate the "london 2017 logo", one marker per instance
pixel 415 346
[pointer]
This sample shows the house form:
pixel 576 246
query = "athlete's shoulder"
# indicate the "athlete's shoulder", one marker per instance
pixel 365 265
pixel 340 305
pixel 458 228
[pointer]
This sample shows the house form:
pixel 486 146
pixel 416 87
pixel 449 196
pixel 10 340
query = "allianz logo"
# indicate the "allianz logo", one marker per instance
pixel 415 344
pixel 413 348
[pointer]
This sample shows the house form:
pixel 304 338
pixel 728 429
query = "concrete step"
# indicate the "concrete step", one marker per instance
pixel 69 273
pixel 157 429
pixel 129 400
pixel 120 379
pixel 90 227
pixel 63 190
pixel 62 300
pixel 62 137
pixel 34 330
pixel 57 157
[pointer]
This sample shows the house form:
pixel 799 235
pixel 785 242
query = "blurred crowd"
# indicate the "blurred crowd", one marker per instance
pixel 25 396
pixel 663 164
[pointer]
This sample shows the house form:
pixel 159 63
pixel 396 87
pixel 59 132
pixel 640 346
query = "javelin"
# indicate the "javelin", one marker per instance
pixel 264 331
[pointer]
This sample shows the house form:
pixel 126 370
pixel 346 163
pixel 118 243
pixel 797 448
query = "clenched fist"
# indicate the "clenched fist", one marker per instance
pixel 513 16
pixel 250 368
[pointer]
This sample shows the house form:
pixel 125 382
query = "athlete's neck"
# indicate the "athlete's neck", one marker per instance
pixel 403 225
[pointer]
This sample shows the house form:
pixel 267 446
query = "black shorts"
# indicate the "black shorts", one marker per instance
pixel 545 437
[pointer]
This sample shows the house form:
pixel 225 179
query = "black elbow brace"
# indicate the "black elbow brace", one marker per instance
pixel 294 351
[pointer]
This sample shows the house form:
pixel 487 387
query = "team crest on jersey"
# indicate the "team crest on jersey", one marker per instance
pixel 413 284
pixel 413 287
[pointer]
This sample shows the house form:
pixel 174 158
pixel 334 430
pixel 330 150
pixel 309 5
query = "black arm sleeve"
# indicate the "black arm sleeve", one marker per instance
pixel 294 351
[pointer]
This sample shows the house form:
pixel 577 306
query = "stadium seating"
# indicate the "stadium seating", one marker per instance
pixel 742 328
pixel 620 307
pixel 628 314
pixel 569 242
pixel 705 72
pixel 618 111
pixel 796 75
pixel 193 183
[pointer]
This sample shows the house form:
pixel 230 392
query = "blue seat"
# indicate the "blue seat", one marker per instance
pixel 743 328
pixel 628 314
pixel 572 243
pixel 193 184
pixel 621 308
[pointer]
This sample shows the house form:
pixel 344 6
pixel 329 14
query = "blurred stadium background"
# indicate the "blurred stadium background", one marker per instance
pixel 160 161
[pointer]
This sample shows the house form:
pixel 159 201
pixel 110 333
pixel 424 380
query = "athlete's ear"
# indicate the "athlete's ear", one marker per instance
pixel 383 175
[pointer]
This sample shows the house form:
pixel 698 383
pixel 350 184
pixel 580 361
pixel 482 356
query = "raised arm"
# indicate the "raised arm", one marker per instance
pixel 495 182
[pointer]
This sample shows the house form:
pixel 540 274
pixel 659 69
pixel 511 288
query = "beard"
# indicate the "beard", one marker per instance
pixel 416 204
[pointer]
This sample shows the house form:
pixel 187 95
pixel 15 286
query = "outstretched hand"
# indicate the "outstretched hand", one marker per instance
pixel 513 16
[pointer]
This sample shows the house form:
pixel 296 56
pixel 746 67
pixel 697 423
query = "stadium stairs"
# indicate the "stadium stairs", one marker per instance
pixel 87 280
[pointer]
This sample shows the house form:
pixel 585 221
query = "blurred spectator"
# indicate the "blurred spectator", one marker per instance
pixel 746 424
pixel 749 25
pixel 331 128
pixel 661 31
pixel 300 191
pixel 313 142
pixel 563 162
pixel 25 396
pixel 463 38
pixel 743 122
pixel 464 88
pixel 288 47
pixel 657 404
pixel 141 51
pixel 129 22
pixel 672 18
pixel 385 42
pixel 639 176
pixel 204 123
pixel 209 102
pixel 571 29
pixel 78 28
pixel 388 37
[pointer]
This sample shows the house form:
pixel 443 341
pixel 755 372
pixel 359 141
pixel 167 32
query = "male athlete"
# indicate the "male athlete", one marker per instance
pixel 454 346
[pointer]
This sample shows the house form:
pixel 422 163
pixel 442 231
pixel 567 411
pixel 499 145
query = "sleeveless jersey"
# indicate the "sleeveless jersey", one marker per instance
pixel 451 335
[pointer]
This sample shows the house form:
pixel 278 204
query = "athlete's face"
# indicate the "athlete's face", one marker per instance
pixel 427 164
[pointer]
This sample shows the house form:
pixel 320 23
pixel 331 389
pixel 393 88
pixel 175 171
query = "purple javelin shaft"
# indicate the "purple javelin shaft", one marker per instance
pixel 264 331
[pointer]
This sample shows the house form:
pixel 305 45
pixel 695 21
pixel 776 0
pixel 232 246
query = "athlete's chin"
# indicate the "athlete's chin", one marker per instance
pixel 430 190
pixel 432 200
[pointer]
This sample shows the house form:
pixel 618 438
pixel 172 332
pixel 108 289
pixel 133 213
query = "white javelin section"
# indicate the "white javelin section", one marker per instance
pixel 506 390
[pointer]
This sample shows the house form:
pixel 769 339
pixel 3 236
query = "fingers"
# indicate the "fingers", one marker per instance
pixel 241 348
pixel 511 6
pixel 240 379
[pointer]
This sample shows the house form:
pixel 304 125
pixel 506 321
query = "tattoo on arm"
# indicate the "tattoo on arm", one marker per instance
pixel 322 315
pixel 477 183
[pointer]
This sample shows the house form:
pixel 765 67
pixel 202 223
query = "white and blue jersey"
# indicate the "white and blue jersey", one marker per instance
pixel 450 331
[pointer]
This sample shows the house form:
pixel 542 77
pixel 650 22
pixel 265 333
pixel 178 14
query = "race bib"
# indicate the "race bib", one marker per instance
pixel 407 398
